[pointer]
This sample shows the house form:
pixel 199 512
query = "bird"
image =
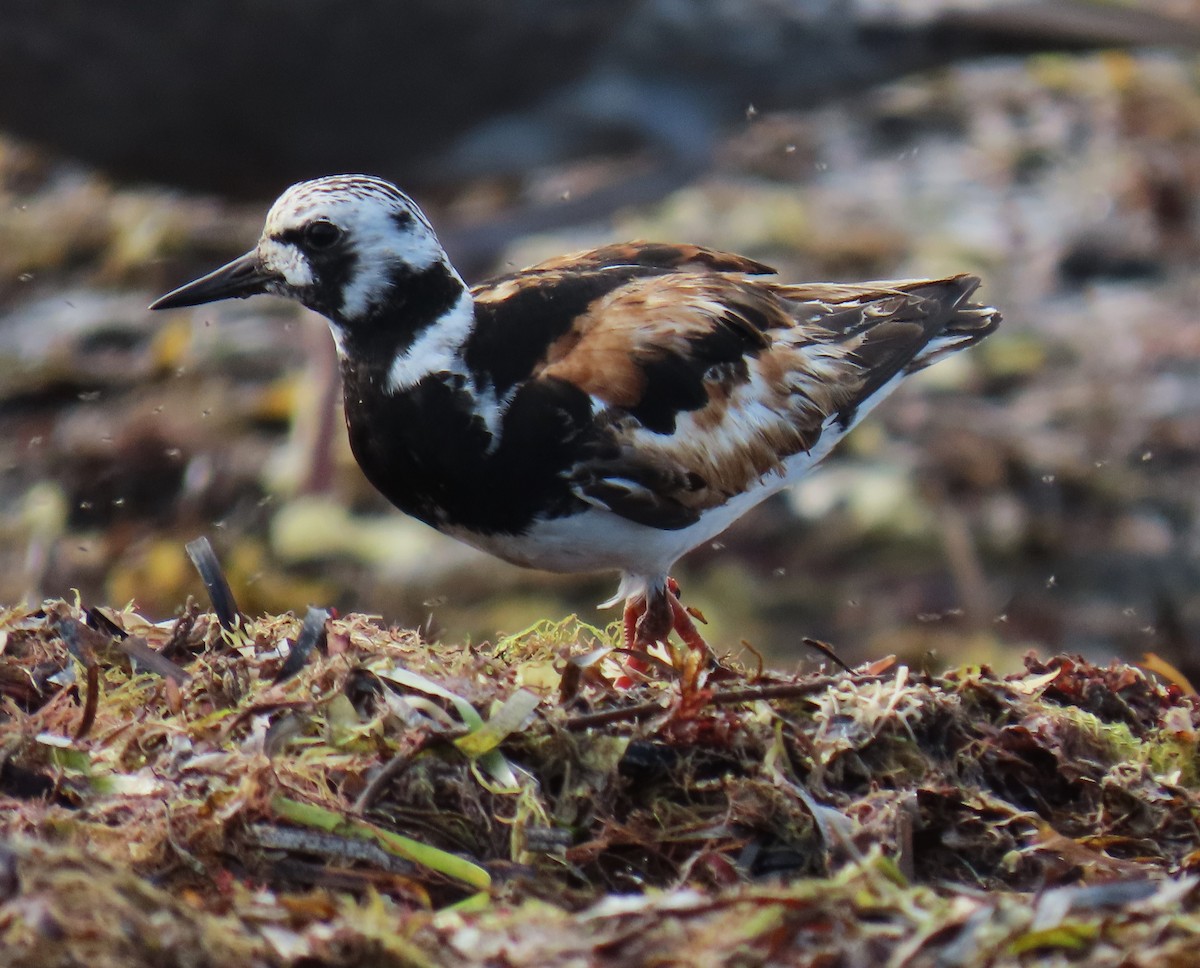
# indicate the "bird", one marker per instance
pixel 605 410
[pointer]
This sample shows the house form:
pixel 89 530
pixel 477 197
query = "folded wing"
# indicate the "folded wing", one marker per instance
pixel 705 383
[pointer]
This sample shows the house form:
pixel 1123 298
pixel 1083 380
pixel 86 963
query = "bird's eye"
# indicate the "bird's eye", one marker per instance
pixel 321 234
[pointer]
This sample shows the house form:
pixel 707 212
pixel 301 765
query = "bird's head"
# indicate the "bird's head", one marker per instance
pixel 345 246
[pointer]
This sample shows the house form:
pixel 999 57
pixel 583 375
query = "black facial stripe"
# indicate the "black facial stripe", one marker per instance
pixel 415 301
pixel 423 295
pixel 332 270
pixel 294 236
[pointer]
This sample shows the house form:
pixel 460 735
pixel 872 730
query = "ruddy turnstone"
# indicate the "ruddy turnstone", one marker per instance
pixel 610 409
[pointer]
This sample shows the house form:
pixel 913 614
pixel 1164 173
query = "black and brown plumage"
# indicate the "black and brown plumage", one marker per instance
pixel 611 409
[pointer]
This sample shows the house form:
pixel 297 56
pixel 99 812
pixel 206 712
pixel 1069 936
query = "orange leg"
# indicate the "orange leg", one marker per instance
pixel 635 610
pixel 684 627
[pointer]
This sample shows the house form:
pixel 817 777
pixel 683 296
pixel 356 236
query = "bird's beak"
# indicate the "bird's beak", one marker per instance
pixel 242 277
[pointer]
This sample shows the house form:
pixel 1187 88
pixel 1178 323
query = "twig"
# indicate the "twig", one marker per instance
pixel 784 690
pixel 329 846
pixel 727 697
pixel 619 715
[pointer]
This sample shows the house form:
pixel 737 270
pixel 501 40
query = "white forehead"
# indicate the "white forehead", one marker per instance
pixel 346 200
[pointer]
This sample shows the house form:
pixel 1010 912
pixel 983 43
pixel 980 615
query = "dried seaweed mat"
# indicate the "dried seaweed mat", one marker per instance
pixel 327 791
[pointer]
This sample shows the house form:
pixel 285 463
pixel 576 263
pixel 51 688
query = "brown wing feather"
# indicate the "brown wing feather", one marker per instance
pixel 610 350
pixel 642 258
pixel 712 381
pixel 663 255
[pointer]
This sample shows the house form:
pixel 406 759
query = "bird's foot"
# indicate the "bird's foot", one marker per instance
pixel 651 620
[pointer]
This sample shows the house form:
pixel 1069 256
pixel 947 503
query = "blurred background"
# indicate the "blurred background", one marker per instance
pixel 1041 491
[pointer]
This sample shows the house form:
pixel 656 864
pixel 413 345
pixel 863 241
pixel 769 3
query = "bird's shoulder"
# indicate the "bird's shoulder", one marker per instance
pixel 530 319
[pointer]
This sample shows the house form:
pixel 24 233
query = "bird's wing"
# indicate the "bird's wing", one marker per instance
pixel 704 383
pixel 661 256
pixel 520 314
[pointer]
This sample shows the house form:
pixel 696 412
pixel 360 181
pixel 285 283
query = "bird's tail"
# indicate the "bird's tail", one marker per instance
pixel 969 323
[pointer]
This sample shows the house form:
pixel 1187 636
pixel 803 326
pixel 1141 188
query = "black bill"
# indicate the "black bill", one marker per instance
pixel 242 277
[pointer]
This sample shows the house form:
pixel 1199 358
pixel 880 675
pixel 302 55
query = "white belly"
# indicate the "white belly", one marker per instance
pixel 599 540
